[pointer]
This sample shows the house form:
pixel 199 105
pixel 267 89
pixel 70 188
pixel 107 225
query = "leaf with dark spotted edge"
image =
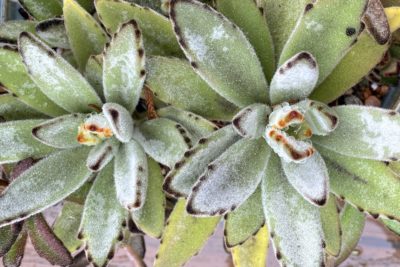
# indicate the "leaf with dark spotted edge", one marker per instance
pixel 46 183
pixel 244 222
pixel 10 30
pixel 185 234
pixel 253 252
pixel 219 52
pixel 198 126
pixel 338 35
pixel 60 132
pixel 151 217
pixel 17 142
pixel 12 109
pixel 42 9
pixel 164 140
pixel 8 235
pixel 251 121
pixel 352 223
pixel 53 32
pixel 102 218
pixel 376 22
pixel 120 121
pixel 14 256
pixel 369 185
pixel 46 244
pixel 82 28
pixel 186 172
pixel 310 178
pixel 101 154
pixel 331 225
pixel 222 187
pixel 294 223
pixel 55 77
pixel 131 175
pixel 364 132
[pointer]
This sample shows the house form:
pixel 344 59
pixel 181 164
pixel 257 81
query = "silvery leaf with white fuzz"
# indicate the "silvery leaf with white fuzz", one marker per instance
pixel 252 120
pixel 120 121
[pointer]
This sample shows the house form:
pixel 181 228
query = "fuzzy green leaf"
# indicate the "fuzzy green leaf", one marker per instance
pixel 15 78
pixel 392 225
pixel 173 81
pixel 186 234
pixel 246 221
pixel 158 36
pixel 246 15
pixel 17 142
pixel 46 244
pixel 102 218
pixel 60 132
pixel 13 109
pixel 219 52
pixel 123 67
pixel 82 28
pixel 352 224
pixel 251 121
pixel 67 224
pixel 196 125
pixel 57 78
pixel 42 9
pixel 101 154
pixel 222 187
pixel 53 32
pixel 164 140
pixel 8 235
pixel 151 217
pixel 295 79
pixel 369 185
pixel 365 132
pixel 10 30
pixel 253 252
pixel 120 121
pixel 294 223
pixel 46 183
pixel 14 256
pixel 94 74
pixel 131 175
pixel 335 22
pixel 331 225
pixel 186 172
pixel 310 178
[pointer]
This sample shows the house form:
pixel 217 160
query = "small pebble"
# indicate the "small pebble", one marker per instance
pixel 382 90
pixel 352 100
pixel 373 101
pixel 366 93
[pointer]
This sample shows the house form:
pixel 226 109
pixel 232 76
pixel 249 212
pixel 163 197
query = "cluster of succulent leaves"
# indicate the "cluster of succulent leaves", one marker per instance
pixel 241 89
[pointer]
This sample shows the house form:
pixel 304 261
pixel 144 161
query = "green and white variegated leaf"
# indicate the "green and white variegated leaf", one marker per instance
pixel 131 175
pixel 16 80
pixel 120 121
pixel 66 226
pixel 352 224
pixel 316 24
pixel 369 185
pixel 219 52
pixel 57 79
pixel 46 183
pixel 295 79
pixel 158 36
pixel 392 225
pixel 173 81
pixel 101 154
pixel 294 223
pixel 53 32
pixel 82 28
pixel 94 74
pixel 247 15
pixel 13 109
pixel 151 217
pixel 17 142
pixel 8 235
pixel 15 255
pixel 10 30
pixel 246 221
pixel 186 172
pixel 330 220
pixel 60 132
pixel 310 178
pixel 164 140
pixel 222 188
pixel 253 252
pixel 252 120
pixel 102 218
pixel 42 9
pixel 365 132
pixel 282 16
pixel 186 234
pixel 123 67
pixel 196 125
pixel 46 244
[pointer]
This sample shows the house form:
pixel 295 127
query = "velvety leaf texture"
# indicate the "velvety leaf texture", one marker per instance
pixel 13 109
pixel 15 255
pixel 42 9
pixel 53 32
pixel 10 30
